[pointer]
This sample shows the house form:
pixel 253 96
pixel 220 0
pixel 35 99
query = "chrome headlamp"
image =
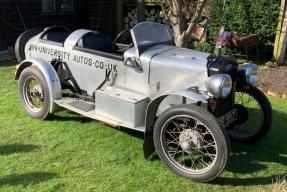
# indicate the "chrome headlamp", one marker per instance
pixel 248 73
pixel 219 85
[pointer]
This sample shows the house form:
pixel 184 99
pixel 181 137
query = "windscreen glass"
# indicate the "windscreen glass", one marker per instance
pixel 151 33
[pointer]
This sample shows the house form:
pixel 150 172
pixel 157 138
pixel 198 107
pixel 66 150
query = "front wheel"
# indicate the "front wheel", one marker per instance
pixel 254 116
pixel 190 141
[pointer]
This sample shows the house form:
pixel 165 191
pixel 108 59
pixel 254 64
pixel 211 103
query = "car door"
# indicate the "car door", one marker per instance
pixel 89 65
pixel 90 69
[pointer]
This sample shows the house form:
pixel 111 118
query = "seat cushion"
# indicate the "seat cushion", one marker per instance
pixel 59 37
pixel 99 42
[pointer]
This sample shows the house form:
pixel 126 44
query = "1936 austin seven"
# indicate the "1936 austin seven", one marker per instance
pixel 187 103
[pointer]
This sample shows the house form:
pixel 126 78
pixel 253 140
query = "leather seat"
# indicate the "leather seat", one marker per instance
pixel 98 42
pixel 59 37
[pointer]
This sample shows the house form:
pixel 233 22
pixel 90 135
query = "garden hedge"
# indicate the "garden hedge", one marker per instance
pixel 246 16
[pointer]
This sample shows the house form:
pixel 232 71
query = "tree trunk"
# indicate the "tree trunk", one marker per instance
pixel 177 32
pixel 179 24
pixel 180 39
pixel 181 33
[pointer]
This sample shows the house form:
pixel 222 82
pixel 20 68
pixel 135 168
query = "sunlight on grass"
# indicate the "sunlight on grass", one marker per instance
pixel 74 153
pixel 280 185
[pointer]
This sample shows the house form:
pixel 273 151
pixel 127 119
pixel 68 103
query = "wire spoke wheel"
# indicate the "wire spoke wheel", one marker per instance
pixel 253 111
pixel 254 116
pixel 189 144
pixel 33 94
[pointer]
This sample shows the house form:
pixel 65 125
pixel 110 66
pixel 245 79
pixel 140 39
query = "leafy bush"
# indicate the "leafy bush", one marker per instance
pixel 204 47
pixel 246 16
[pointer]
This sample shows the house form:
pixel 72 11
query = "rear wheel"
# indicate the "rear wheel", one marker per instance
pixel 21 42
pixel 190 141
pixel 34 93
pixel 254 116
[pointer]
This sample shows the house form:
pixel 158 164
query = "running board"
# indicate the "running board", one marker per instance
pixel 82 105
pixel 87 109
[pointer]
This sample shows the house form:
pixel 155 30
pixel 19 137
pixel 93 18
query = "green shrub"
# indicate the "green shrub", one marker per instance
pixel 204 47
pixel 247 16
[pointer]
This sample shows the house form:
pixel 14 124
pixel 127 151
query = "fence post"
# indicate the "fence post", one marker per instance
pixel 280 35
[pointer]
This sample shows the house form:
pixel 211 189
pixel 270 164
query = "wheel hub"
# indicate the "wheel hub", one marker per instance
pixel 190 139
pixel 37 92
pixel 33 95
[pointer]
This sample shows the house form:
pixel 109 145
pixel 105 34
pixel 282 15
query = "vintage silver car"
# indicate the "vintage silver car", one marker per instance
pixel 187 103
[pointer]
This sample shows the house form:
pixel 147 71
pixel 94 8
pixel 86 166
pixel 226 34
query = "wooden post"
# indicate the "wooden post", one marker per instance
pixel 141 10
pixel 277 51
pixel 283 39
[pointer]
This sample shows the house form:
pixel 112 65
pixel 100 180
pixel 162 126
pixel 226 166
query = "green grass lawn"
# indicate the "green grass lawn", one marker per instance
pixel 74 153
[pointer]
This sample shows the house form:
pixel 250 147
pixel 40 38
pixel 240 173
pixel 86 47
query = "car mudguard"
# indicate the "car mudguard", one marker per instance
pixel 151 113
pixel 50 75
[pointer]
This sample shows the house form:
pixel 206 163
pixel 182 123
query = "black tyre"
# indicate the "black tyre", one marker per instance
pixel 21 42
pixel 34 93
pixel 254 116
pixel 190 141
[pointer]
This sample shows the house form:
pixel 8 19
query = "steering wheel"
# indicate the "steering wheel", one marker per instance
pixel 124 38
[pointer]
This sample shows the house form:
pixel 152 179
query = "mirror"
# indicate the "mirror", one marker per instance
pixel 133 64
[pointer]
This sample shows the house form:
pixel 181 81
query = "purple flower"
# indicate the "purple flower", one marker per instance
pixel 225 36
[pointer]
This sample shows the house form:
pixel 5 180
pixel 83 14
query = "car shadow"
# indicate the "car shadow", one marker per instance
pixel 250 181
pixel 249 159
pixel 16 148
pixel 26 179
pixel 76 118
pixel 133 133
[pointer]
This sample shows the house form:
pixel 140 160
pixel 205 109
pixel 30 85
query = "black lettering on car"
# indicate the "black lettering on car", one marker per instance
pixel 35 47
pixel 44 50
pixel 101 65
pixel 110 67
pixel 75 58
pixel 86 60
pixel 97 64
pixel 82 59
pixel 48 51
pixel 58 54
pixel 52 52
pixel 90 62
